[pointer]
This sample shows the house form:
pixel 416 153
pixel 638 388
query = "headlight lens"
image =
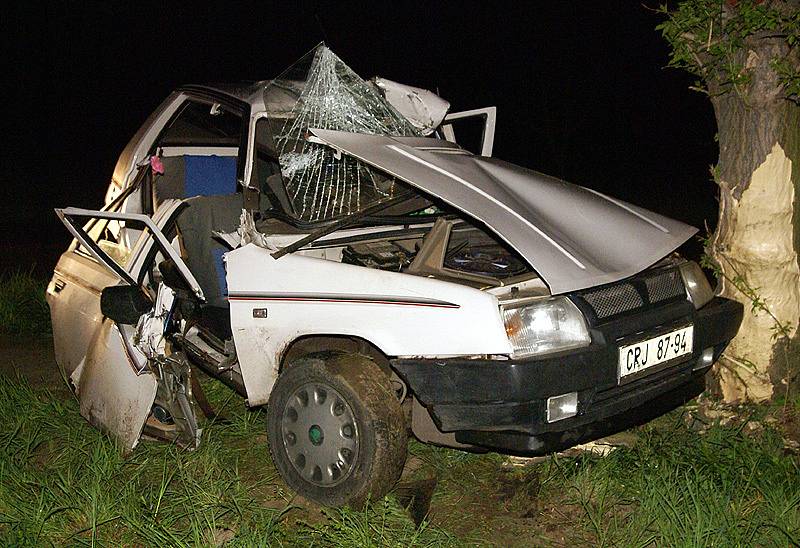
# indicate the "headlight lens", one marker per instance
pixel 697 287
pixel 544 326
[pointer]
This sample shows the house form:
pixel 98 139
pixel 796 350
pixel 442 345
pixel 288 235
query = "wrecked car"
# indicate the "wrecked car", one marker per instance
pixel 324 246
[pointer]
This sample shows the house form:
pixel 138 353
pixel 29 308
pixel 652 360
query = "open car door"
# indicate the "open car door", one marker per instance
pixel 488 117
pixel 113 381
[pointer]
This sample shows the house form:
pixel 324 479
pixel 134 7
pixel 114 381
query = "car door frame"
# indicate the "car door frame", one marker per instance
pixel 66 215
pixel 489 117
pixel 115 393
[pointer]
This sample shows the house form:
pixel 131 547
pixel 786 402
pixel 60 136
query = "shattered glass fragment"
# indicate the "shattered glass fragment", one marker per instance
pixel 320 91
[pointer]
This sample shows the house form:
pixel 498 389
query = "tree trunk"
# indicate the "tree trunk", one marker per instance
pixel 757 240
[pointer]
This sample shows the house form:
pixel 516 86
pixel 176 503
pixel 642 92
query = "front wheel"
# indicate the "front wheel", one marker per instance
pixel 336 431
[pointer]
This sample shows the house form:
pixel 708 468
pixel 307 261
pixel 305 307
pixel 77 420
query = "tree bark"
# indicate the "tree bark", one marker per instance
pixel 757 241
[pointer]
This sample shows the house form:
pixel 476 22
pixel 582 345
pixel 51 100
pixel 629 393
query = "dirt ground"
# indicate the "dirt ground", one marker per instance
pixel 32 358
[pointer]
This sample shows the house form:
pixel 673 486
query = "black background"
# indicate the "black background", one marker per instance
pixel 580 87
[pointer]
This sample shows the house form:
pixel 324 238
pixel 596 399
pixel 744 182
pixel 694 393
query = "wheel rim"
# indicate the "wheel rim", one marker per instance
pixel 320 434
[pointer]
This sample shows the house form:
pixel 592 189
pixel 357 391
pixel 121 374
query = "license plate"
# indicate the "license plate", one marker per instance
pixel 635 358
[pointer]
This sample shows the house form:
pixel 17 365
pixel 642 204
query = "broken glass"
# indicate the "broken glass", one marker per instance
pixel 321 91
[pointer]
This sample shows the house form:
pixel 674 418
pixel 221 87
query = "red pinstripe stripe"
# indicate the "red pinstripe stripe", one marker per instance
pixel 356 301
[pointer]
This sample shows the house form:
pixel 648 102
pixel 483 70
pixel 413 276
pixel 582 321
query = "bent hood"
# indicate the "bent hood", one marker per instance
pixel 572 236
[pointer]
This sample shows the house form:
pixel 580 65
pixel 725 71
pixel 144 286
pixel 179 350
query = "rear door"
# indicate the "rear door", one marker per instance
pixel 114 385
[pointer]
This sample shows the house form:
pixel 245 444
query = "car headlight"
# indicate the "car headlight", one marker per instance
pixel 697 287
pixel 544 326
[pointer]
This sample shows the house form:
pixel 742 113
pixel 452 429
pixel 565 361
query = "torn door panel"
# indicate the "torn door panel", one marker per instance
pixel 113 395
pixel 115 384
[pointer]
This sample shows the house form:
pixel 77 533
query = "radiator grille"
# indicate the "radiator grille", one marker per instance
pixel 666 285
pixel 614 299
pixel 635 293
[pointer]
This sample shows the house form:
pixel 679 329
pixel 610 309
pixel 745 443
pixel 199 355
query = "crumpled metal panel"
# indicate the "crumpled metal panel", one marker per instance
pixel 572 236
pixel 423 108
pixel 113 395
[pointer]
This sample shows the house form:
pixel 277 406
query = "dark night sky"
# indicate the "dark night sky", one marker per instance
pixel 580 88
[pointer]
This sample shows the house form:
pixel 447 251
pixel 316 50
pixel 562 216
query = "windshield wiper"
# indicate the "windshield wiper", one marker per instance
pixel 343 223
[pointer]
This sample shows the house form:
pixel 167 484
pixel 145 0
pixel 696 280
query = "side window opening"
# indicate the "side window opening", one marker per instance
pixel 105 236
pixel 203 124
pixel 108 235
pixel 200 150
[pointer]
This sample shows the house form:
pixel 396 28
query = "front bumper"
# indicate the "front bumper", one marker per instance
pixel 501 404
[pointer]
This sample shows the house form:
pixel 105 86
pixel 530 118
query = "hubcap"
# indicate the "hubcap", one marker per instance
pixel 320 434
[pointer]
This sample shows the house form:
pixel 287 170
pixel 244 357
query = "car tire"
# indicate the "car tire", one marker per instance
pixel 336 431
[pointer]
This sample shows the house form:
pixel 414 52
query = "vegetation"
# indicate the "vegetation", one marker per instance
pixel 64 483
pixel 22 305
pixel 676 488
pixel 708 37
pixel 745 55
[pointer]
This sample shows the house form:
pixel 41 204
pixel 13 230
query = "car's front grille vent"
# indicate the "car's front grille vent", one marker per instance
pixel 663 286
pixel 639 292
pixel 613 300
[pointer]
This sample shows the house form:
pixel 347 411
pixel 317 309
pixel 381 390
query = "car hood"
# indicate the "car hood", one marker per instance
pixel 574 237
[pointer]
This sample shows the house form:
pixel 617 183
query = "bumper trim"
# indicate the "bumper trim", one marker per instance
pixel 507 396
pixel 525 445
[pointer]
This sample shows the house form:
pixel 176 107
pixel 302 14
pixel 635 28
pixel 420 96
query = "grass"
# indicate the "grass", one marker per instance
pixel 678 488
pixel 674 487
pixel 64 483
pixel 23 308
pixel 380 524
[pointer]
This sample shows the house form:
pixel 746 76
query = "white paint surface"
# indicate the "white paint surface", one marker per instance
pixel 473 326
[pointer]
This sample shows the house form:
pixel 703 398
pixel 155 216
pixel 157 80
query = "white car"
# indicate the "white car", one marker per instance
pixel 323 246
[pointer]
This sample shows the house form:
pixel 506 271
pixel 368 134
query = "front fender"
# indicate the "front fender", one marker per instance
pixel 275 301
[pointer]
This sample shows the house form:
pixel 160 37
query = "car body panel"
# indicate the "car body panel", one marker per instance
pixel 501 404
pixel 93 353
pixel 113 395
pixel 400 314
pixel 74 299
pixel 572 236
pixel 113 385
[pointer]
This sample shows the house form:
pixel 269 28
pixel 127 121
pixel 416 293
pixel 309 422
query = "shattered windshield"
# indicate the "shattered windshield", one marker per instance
pixel 320 91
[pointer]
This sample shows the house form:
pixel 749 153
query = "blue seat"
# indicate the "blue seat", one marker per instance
pixel 189 175
pixel 209 175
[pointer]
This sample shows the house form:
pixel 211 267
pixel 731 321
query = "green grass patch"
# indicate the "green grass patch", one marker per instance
pixel 673 487
pixel 62 482
pixel 676 487
pixel 380 524
pixel 23 308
